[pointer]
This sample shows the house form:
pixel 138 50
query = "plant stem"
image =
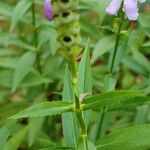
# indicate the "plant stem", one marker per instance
pixel 78 106
pixel 100 126
pixel 73 69
pixel 113 56
pixel 35 35
pixel 81 123
pixel 116 44
pixel 34 24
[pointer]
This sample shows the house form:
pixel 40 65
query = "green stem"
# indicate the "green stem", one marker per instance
pixel 100 126
pixel 116 44
pixel 35 35
pixel 34 24
pixel 81 123
pixel 78 106
pixel 73 69
pixel 111 70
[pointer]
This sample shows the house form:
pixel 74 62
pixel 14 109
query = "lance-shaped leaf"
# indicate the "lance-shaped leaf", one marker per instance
pixel 85 73
pixel 23 68
pixel 19 11
pixel 58 148
pixel 136 137
pixel 44 109
pixel 115 100
pixel 86 144
pixel 35 123
pixel 69 123
pixel 85 77
pixel 14 142
pixel 5 133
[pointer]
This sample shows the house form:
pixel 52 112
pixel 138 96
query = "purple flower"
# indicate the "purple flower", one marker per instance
pixel 48 9
pixel 129 7
pixel 113 7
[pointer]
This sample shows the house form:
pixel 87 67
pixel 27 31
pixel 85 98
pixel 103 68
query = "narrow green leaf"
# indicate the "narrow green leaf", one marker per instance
pixel 114 100
pixel 19 11
pixel 102 47
pixel 5 9
pixel 8 62
pixel 85 73
pixel 7 52
pixel 12 108
pixel 116 57
pixel 14 142
pixel 109 83
pixel 58 148
pixel 23 68
pixel 134 65
pixel 85 77
pixel 34 79
pixel 45 109
pixel 68 94
pixel 35 123
pixel 35 126
pixel 69 123
pixel 136 137
pixel 141 114
pixel 141 59
pixel 86 144
pixel 5 132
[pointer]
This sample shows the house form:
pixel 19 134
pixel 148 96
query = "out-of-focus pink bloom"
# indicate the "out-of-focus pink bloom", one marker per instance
pixel 48 9
pixel 129 7
pixel 113 7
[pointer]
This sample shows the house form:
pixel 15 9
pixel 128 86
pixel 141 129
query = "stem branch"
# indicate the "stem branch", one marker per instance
pixel 116 44
pixel 35 35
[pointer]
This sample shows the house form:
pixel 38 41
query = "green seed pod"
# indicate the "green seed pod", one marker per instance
pixel 66 19
pixel 68 4
pixel 73 28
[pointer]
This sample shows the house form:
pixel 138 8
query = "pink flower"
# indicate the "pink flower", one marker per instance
pixel 129 7
pixel 48 9
pixel 113 7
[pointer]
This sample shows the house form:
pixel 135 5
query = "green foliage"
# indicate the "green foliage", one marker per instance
pixel 19 11
pixel 14 142
pixel 44 109
pixel 59 148
pixel 104 92
pixel 70 130
pixel 115 100
pixel 84 73
pixel 23 67
pixel 5 133
pixel 136 137
pixel 35 127
pixel 86 144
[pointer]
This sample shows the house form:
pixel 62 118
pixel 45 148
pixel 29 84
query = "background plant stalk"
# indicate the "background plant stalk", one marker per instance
pixel 35 36
pixel 116 44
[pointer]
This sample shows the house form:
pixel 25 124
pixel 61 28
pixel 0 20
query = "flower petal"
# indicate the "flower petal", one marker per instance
pixel 131 9
pixel 48 9
pixel 113 7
